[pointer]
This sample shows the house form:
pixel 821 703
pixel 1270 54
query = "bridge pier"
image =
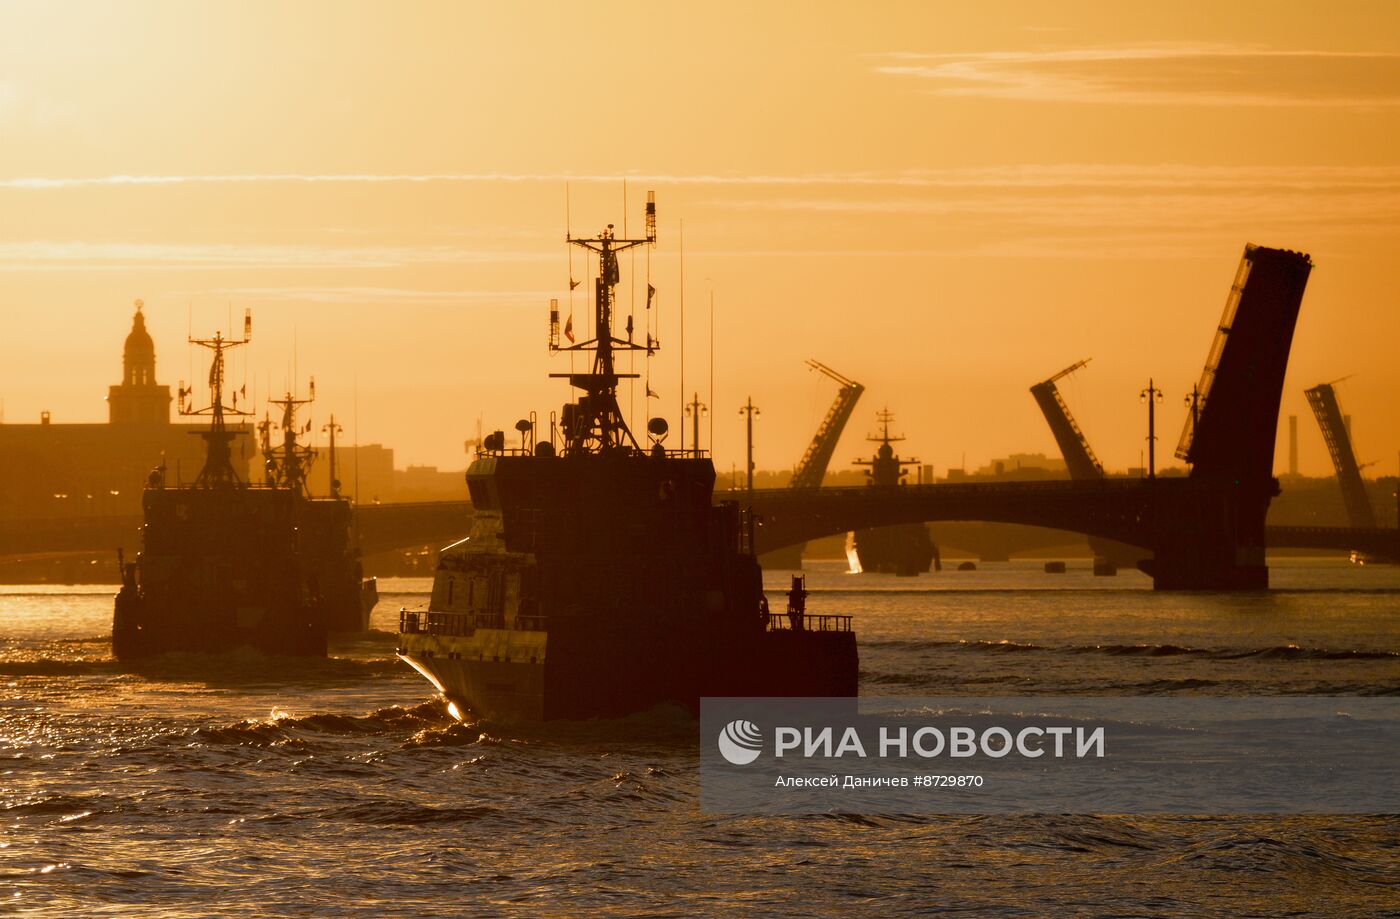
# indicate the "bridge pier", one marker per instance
pixel 1211 538
pixel 1209 565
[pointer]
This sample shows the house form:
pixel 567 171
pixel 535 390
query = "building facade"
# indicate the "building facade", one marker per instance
pixel 50 470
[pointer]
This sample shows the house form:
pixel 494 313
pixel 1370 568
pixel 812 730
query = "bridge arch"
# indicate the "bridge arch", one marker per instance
pixel 1115 509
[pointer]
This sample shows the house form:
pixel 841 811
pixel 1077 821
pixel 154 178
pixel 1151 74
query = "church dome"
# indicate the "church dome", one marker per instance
pixel 138 343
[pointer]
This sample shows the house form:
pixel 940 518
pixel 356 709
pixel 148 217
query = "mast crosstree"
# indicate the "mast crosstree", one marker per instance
pixel 218 468
pixel 289 465
pixel 594 423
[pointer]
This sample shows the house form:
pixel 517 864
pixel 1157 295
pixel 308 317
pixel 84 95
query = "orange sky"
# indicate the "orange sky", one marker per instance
pixel 947 202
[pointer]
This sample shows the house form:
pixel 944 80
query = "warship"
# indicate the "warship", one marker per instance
pixel 330 553
pixel 227 564
pixel 599 578
pixel 905 549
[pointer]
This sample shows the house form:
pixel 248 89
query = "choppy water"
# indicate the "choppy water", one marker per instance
pixel 249 786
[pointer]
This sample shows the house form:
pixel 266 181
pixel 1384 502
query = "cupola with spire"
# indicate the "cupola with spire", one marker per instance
pixel 138 399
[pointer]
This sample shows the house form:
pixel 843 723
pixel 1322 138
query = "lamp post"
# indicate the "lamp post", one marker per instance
pixel 1193 402
pixel 696 409
pixel 1151 396
pixel 334 429
pixel 750 410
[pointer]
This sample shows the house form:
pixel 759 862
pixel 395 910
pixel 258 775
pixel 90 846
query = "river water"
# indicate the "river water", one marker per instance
pixel 242 785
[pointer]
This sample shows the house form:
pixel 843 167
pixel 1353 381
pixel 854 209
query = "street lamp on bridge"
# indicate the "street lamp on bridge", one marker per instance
pixel 1193 402
pixel 696 410
pixel 1152 397
pixel 333 429
pixel 750 410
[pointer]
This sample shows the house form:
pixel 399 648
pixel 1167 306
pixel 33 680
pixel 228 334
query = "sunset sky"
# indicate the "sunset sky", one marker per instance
pixel 945 201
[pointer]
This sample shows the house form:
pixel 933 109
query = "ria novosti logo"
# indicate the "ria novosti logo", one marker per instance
pixel 740 742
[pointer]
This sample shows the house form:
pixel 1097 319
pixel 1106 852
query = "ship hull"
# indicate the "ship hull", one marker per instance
pixel 203 624
pixel 225 569
pixel 905 550
pixel 513 675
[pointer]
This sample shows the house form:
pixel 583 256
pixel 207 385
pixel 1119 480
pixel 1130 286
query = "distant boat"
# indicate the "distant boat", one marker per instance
pixel 904 549
pixel 227 564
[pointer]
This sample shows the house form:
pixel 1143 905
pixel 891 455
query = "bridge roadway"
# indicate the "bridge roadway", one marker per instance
pixel 1134 511
pixel 1131 510
pixel 383 528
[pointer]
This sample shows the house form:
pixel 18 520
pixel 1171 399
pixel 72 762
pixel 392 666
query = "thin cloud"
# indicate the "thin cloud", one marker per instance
pixel 1168 74
pixel 1348 209
pixel 49 255
pixel 41 183
pixel 1163 175
pixel 380 296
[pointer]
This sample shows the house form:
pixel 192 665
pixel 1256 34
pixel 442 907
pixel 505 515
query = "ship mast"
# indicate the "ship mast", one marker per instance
pixel 289 465
pixel 218 468
pixel 885 468
pixel 594 424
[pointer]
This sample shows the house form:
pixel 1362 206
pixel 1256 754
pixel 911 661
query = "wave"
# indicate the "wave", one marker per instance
pixel 1152 687
pixel 1244 851
pixel 453 735
pixel 880 678
pixel 662 726
pixel 403 813
pixel 232 668
pixel 1293 652
pixel 1139 650
pixel 1276 652
pixel 246 734
pixel 52 667
pixel 1003 645
pixel 46 805
pixel 282 729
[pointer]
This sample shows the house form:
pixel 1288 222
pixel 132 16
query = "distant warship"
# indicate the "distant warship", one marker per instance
pixel 331 557
pixel 599 579
pixel 227 564
pixel 904 549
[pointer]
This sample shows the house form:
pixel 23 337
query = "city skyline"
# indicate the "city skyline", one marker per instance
pixel 944 204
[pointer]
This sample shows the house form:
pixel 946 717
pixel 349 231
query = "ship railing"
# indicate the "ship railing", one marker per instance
pixel 782 622
pixel 430 623
pixel 461 624
pixel 450 624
